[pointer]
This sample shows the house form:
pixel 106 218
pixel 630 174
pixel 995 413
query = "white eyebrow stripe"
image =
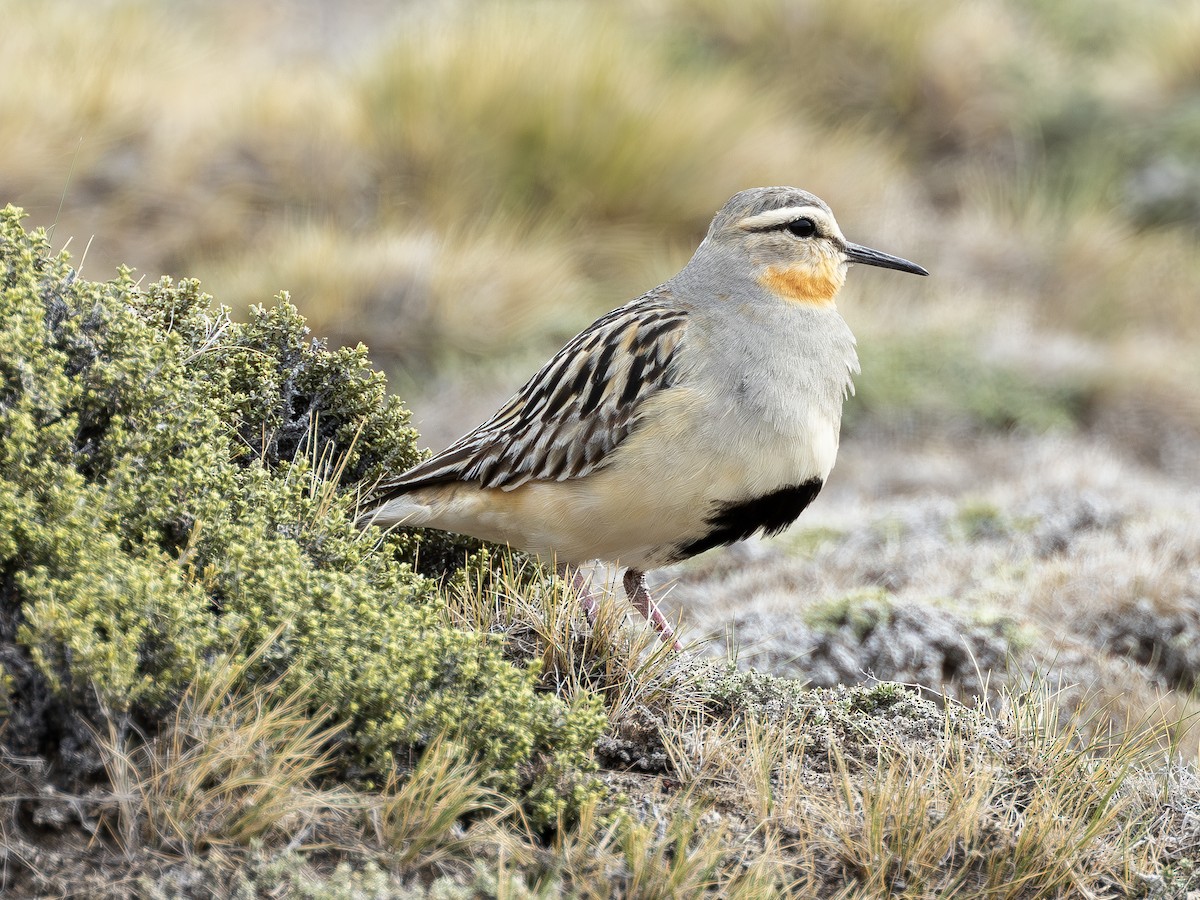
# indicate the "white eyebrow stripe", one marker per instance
pixel 773 218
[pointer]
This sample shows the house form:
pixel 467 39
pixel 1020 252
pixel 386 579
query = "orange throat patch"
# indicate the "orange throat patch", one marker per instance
pixel 812 285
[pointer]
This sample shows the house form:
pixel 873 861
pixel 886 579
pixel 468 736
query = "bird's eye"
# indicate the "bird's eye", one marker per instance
pixel 802 228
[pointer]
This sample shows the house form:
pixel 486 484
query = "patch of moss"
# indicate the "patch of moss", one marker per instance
pixel 977 519
pixel 174 484
pixel 809 540
pixel 1180 878
pixel 860 611
pixel 983 613
pixel 857 716
pixel 730 691
pixel 877 697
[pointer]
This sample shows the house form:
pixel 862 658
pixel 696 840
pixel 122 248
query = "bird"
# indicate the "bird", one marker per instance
pixel 703 412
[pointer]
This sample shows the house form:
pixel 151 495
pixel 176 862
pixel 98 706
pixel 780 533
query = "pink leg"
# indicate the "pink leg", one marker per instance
pixel 639 596
pixel 583 589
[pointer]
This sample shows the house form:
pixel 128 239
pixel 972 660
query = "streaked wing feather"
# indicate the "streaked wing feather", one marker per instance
pixel 566 419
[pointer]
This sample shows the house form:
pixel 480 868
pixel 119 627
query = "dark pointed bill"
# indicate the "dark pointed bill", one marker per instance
pixel 868 257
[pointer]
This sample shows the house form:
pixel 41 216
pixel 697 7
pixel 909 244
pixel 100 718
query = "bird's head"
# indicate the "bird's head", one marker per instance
pixel 792 244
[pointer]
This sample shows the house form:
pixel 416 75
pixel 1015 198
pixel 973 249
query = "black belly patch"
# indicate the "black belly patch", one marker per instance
pixel 770 513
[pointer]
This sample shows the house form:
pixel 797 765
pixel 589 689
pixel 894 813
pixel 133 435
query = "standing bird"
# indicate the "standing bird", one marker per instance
pixel 692 417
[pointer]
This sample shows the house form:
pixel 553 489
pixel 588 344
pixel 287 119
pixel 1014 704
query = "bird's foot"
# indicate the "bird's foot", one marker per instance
pixel 583 589
pixel 639 596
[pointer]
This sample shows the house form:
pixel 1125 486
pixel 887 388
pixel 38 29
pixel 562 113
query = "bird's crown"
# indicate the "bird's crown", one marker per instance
pixel 757 208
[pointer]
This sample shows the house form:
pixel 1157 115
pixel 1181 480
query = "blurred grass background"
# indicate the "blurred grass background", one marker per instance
pixel 464 185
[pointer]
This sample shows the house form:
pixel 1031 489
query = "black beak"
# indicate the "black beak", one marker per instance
pixel 868 257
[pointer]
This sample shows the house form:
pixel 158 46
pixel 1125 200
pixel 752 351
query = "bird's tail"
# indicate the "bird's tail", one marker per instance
pixel 399 510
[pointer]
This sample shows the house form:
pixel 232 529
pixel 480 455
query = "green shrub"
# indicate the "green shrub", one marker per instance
pixel 174 485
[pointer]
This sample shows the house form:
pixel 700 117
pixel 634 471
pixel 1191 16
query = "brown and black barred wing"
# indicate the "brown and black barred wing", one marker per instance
pixel 566 419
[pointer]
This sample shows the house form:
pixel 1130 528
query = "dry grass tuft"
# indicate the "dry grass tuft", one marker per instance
pixel 1039 809
pixel 543 620
pixel 466 121
pixel 420 294
pixel 421 817
pixel 228 770
pixel 235 775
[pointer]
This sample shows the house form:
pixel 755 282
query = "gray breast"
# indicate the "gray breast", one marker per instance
pixel 781 365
